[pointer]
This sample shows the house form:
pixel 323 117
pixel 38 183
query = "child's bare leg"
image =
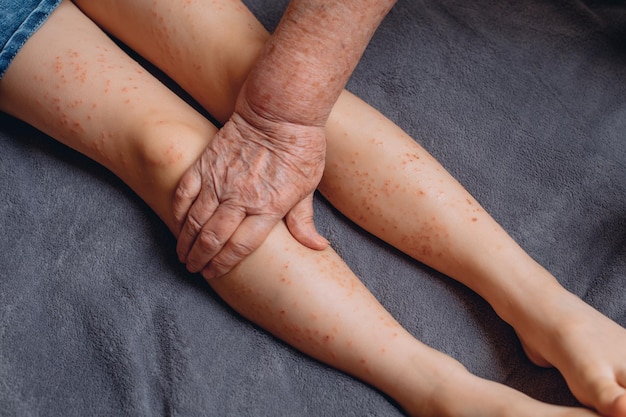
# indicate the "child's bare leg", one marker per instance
pixel 442 225
pixel 313 301
pixel 206 46
pixel 77 87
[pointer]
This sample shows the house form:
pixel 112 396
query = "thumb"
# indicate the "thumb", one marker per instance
pixel 301 226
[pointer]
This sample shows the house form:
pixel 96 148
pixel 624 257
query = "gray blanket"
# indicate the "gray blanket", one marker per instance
pixel 523 101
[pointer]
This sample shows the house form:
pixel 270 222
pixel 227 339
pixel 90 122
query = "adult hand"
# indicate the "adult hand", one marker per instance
pixel 254 173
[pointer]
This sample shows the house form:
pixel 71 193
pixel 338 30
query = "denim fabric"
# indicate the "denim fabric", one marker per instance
pixel 19 19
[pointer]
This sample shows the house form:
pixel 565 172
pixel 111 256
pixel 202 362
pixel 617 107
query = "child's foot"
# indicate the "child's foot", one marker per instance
pixel 461 394
pixel 586 347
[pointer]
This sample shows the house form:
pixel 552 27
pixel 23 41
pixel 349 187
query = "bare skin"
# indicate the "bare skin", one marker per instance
pixel 277 127
pixel 123 118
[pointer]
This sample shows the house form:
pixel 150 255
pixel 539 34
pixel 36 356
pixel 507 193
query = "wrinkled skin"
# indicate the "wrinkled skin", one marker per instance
pixel 267 160
pixel 255 172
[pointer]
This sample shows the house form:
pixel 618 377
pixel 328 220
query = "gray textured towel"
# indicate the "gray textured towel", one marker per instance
pixel 524 102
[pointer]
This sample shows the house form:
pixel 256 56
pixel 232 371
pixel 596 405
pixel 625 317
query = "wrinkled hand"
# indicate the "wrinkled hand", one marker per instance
pixel 252 174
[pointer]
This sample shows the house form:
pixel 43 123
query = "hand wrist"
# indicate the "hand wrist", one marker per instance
pixel 308 60
pixel 281 96
pixel 277 134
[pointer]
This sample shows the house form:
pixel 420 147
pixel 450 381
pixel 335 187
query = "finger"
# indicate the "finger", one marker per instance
pixel 186 193
pixel 198 215
pixel 247 238
pixel 214 235
pixel 302 227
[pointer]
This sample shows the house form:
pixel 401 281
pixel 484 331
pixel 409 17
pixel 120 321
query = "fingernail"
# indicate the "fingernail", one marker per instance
pixel 322 241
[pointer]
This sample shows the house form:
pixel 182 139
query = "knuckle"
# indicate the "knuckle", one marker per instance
pixel 182 193
pixel 240 249
pixel 208 240
pixel 300 215
pixel 220 267
pixel 187 235
pixel 188 186
pixel 193 226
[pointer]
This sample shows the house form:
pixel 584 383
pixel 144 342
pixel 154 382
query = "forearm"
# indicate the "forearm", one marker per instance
pixel 309 59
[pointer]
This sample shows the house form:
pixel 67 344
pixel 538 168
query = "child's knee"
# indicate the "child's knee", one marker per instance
pixel 161 151
pixel 170 145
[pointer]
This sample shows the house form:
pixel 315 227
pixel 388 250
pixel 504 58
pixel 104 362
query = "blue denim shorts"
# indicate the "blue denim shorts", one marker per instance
pixel 19 19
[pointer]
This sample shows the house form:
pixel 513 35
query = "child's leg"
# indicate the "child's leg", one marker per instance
pixel 78 86
pixel 308 298
pixel 313 301
pixel 442 225
pixel 216 40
